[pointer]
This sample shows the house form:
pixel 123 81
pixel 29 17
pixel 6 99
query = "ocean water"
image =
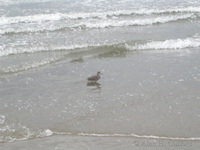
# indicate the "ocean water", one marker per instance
pixel 148 51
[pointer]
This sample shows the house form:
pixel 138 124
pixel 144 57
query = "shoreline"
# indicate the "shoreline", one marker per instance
pixel 62 142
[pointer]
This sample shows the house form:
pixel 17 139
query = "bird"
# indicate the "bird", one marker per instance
pixel 95 78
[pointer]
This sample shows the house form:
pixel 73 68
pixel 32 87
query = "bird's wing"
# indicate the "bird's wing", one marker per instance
pixel 91 78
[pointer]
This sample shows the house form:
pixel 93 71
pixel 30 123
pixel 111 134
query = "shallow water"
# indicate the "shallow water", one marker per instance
pixel 149 56
pixel 152 96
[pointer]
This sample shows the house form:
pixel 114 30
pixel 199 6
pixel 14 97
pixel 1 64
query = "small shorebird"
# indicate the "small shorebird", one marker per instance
pixel 95 78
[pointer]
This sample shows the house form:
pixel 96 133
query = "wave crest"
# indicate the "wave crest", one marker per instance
pixel 136 22
pixel 16 131
pixel 89 15
pixel 11 51
pixel 105 23
pixel 27 66
pixel 167 44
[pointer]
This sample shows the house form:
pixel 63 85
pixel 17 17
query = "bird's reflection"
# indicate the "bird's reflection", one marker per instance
pixel 96 84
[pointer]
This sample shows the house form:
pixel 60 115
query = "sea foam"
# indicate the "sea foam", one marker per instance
pixel 27 66
pixel 16 131
pixel 11 51
pixel 2 119
pixel 96 23
pixel 141 136
pixel 167 44
pixel 136 22
pixel 88 15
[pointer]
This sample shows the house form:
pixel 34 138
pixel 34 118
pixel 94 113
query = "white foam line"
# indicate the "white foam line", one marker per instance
pixel 167 44
pixel 85 15
pixel 15 68
pixel 31 29
pixel 140 136
pixel 11 2
pixel 31 18
pixel 11 51
pixel 29 135
pixel 103 24
pixel 189 9
pixel 142 22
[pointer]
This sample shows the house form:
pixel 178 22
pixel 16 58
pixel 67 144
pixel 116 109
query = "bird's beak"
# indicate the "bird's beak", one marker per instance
pixel 101 73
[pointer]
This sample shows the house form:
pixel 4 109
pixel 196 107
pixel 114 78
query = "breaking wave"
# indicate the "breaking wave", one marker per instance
pixel 192 42
pixel 13 2
pixel 16 131
pixel 136 22
pixel 49 22
pixel 167 44
pixel 88 15
pixel 12 51
pixel 27 66
pixel 12 132
pixel 98 49
pixel 92 24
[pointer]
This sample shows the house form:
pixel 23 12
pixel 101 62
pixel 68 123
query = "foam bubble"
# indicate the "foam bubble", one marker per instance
pixel 2 119
pixel 46 132
pixel 16 131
